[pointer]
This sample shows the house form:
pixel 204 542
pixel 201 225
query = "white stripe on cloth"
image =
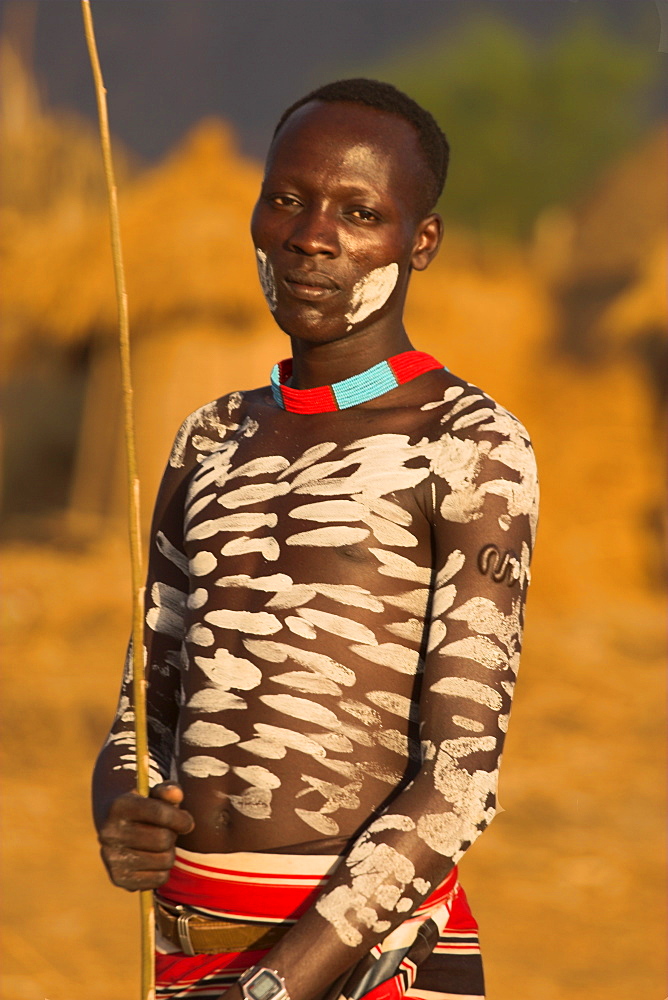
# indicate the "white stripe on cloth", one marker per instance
pixel 431 995
pixel 305 868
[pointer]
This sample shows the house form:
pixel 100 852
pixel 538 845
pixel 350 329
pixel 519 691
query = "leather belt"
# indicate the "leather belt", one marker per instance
pixel 194 934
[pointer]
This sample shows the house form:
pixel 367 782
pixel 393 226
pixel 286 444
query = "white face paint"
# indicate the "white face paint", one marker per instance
pixel 267 280
pixel 370 293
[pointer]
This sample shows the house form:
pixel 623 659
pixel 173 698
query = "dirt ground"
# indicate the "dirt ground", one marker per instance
pixel 566 884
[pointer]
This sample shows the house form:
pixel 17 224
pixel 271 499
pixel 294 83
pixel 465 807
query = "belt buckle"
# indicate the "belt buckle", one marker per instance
pixel 183 932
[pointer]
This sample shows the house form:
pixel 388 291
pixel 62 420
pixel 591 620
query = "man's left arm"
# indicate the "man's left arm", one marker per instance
pixel 483 508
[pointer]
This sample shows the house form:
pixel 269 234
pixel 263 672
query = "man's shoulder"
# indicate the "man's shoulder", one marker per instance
pixel 210 425
pixel 483 449
pixel 466 411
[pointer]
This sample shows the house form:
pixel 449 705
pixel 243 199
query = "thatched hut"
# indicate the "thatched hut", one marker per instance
pixel 604 264
pixel 596 252
pixel 199 325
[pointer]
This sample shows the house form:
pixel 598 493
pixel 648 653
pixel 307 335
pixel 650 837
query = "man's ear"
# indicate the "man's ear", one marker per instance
pixel 427 241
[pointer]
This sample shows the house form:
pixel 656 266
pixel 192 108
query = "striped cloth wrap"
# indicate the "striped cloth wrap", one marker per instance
pixel 432 955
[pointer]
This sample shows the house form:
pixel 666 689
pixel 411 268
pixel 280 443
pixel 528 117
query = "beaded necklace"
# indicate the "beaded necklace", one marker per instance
pixel 374 382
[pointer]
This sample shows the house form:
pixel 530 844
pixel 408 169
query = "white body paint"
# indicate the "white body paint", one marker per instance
pixel 296 606
pixel 267 279
pixel 371 292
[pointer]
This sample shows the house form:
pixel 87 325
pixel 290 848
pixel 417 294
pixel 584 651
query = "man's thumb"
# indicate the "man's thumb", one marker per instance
pixel 168 791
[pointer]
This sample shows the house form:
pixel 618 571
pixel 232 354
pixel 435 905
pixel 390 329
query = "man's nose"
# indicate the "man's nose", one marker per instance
pixel 314 232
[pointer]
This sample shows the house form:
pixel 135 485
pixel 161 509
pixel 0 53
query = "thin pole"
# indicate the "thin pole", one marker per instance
pixel 138 676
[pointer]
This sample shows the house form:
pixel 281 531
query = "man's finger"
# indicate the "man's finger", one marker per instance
pixel 139 837
pixel 137 870
pixel 133 808
pixel 130 861
pixel 168 791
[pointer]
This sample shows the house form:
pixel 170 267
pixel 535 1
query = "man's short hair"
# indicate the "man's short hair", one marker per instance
pixel 385 97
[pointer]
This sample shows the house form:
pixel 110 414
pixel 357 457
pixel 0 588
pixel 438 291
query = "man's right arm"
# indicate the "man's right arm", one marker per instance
pixel 137 834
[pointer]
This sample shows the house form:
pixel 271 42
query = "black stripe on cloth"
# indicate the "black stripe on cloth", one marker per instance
pixel 445 973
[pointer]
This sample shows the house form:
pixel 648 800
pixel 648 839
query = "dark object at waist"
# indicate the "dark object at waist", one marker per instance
pixel 195 934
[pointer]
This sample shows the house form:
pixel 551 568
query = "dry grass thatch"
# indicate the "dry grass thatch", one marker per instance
pixel 625 213
pixel 184 228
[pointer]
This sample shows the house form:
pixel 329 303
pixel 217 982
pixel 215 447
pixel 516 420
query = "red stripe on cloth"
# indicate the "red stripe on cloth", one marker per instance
pixel 247 900
pixel 410 364
pixel 440 893
pixel 182 970
pixel 460 918
pixel 187 863
pixel 456 949
pixel 262 901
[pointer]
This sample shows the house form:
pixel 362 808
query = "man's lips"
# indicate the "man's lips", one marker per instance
pixel 309 285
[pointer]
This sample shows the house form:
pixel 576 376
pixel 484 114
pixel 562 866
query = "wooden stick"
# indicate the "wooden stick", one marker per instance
pixel 138 673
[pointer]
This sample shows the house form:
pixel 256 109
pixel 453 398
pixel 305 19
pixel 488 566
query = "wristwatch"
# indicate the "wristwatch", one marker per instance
pixel 259 983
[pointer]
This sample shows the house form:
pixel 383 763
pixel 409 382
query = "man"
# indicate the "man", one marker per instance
pixel 334 608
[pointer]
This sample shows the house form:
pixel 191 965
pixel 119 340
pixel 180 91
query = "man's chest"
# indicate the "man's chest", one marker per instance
pixel 310 576
pixel 261 494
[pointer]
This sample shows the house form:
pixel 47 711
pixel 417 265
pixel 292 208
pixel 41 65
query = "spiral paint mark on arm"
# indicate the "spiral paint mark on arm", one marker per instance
pixel 502 568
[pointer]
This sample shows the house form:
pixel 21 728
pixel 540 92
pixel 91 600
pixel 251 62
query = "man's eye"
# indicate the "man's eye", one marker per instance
pixel 364 215
pixel 283 200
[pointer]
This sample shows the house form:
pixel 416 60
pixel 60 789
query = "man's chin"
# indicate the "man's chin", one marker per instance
pixel 312 327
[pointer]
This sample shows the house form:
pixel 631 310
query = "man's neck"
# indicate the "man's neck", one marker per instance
pixel 323 364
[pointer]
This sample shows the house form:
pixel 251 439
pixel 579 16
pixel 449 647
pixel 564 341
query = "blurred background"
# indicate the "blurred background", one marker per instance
pixel 549 292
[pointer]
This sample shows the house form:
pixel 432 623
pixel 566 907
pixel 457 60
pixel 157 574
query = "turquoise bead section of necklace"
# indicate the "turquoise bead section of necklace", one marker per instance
pixel 361 388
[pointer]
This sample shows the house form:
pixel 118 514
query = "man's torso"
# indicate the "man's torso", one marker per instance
pixel 309 546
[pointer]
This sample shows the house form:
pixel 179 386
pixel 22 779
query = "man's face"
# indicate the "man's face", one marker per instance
pixel 338 226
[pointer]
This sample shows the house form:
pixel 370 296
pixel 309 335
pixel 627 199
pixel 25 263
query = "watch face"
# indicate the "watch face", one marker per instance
pixel 264 986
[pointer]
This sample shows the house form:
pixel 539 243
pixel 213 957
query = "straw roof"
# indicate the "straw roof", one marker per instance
pixel 602 239
pixel 643 306
pixel 618 224
pixel 51 189
pixel 184 230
